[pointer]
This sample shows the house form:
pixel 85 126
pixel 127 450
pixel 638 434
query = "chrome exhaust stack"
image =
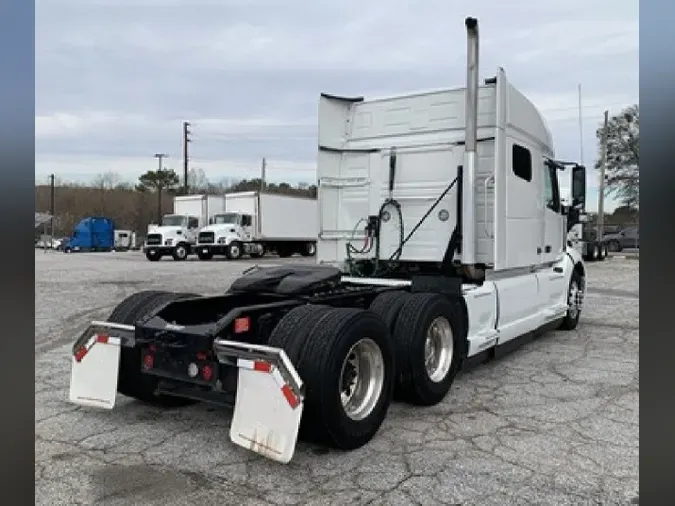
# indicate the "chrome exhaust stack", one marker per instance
pixel 470 157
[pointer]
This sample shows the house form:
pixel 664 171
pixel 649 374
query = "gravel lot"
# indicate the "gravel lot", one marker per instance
pixel 555 422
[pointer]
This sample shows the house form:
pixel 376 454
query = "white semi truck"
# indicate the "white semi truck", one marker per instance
pixel 176 236
pixel 255 223
pixel 441 239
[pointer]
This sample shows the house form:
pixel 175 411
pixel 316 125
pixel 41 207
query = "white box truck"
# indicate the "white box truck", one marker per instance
pixel 448 249
pixel 255 223
pixel 176 236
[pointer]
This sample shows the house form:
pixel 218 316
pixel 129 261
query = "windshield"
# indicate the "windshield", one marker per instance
pixel 173 220
pixel 224 219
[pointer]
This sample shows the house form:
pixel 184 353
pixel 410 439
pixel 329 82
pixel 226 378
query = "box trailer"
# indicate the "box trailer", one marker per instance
pixel 176 236
pixel 441 240
pixel 256 222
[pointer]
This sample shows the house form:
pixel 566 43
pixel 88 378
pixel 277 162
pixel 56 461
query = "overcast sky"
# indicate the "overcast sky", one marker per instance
pixel 115 78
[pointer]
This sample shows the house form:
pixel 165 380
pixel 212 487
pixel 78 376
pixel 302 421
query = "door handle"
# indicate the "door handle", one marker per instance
pixel 547 249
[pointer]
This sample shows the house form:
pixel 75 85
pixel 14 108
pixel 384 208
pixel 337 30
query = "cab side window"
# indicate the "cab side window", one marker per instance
pixel 193 223
pixel 246 220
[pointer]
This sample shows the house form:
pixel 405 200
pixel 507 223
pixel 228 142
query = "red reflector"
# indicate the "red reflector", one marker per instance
pixel 79 354
pixel 207 373
pixel 152 348
pixel 201 356
pixel 149 361
pixel 262 366
pixel 290 396
pixel 102 338
pixel 242 325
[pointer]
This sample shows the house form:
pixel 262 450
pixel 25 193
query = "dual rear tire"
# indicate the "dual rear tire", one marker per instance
pixel 131 381
pixel 355 362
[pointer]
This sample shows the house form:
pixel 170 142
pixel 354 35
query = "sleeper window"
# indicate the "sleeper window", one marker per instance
pixel 522 162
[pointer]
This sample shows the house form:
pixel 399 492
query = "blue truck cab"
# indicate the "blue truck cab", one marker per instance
pixel 91 234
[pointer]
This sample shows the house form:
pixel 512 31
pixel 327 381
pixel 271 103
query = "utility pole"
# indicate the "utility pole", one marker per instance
pixel 51 205
pixel 160 157
pixel 581 130
pixel 601 186
pixel 186 141
pixel 263 168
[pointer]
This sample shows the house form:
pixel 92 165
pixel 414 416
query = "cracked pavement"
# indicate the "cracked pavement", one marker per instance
pixel 554 422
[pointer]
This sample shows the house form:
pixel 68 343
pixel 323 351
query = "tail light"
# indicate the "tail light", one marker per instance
pixel 207 372
pixel 242 325
pixel 148 361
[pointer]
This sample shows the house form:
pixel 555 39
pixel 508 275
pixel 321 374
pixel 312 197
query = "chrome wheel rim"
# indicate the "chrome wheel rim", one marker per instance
pixel 234 250
pixel 576 298
pixel 181 251
pixel 438 349
pixel 361 379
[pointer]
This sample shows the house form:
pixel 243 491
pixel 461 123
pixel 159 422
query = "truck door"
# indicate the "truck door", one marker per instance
pixel 192 229
pixel 247 226
pixel 554 223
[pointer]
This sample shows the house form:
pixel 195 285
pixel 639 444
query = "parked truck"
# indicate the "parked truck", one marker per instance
pixel 95 233
pixel 176 236
pixel 125 240
pixel 255 223
pixel 441 240
pixel 584 238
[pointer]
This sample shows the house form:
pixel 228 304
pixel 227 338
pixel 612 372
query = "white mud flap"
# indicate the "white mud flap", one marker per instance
pixel 269 400
pixel 95 365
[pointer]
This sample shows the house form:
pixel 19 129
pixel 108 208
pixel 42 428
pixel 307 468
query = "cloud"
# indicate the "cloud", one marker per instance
pixel 116 79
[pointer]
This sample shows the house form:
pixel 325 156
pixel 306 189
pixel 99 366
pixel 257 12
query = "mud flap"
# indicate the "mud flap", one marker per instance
pixel 269 400
pixel 95 365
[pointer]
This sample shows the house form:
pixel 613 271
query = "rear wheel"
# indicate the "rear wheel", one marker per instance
pixel 388 305
pixel 346 359
pixel 614 246
pixel 132 382
pixel 429 348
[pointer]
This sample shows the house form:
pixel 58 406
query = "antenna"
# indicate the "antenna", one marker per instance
pixel 581 129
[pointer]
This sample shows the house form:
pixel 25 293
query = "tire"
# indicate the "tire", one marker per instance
pixel 571 319
pixel 388 305
pixel 131 380
pixel 204 256
pixel 291 332
pixel 321 344
pixel 180 252
pixel 614 246
pixel 603 252
pixel 153 257
pixel 416 317
pixel 234 250
pixel 308 249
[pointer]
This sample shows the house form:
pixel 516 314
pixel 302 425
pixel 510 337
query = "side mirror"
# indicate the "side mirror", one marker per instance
pixel 579 186
pixel 210 221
